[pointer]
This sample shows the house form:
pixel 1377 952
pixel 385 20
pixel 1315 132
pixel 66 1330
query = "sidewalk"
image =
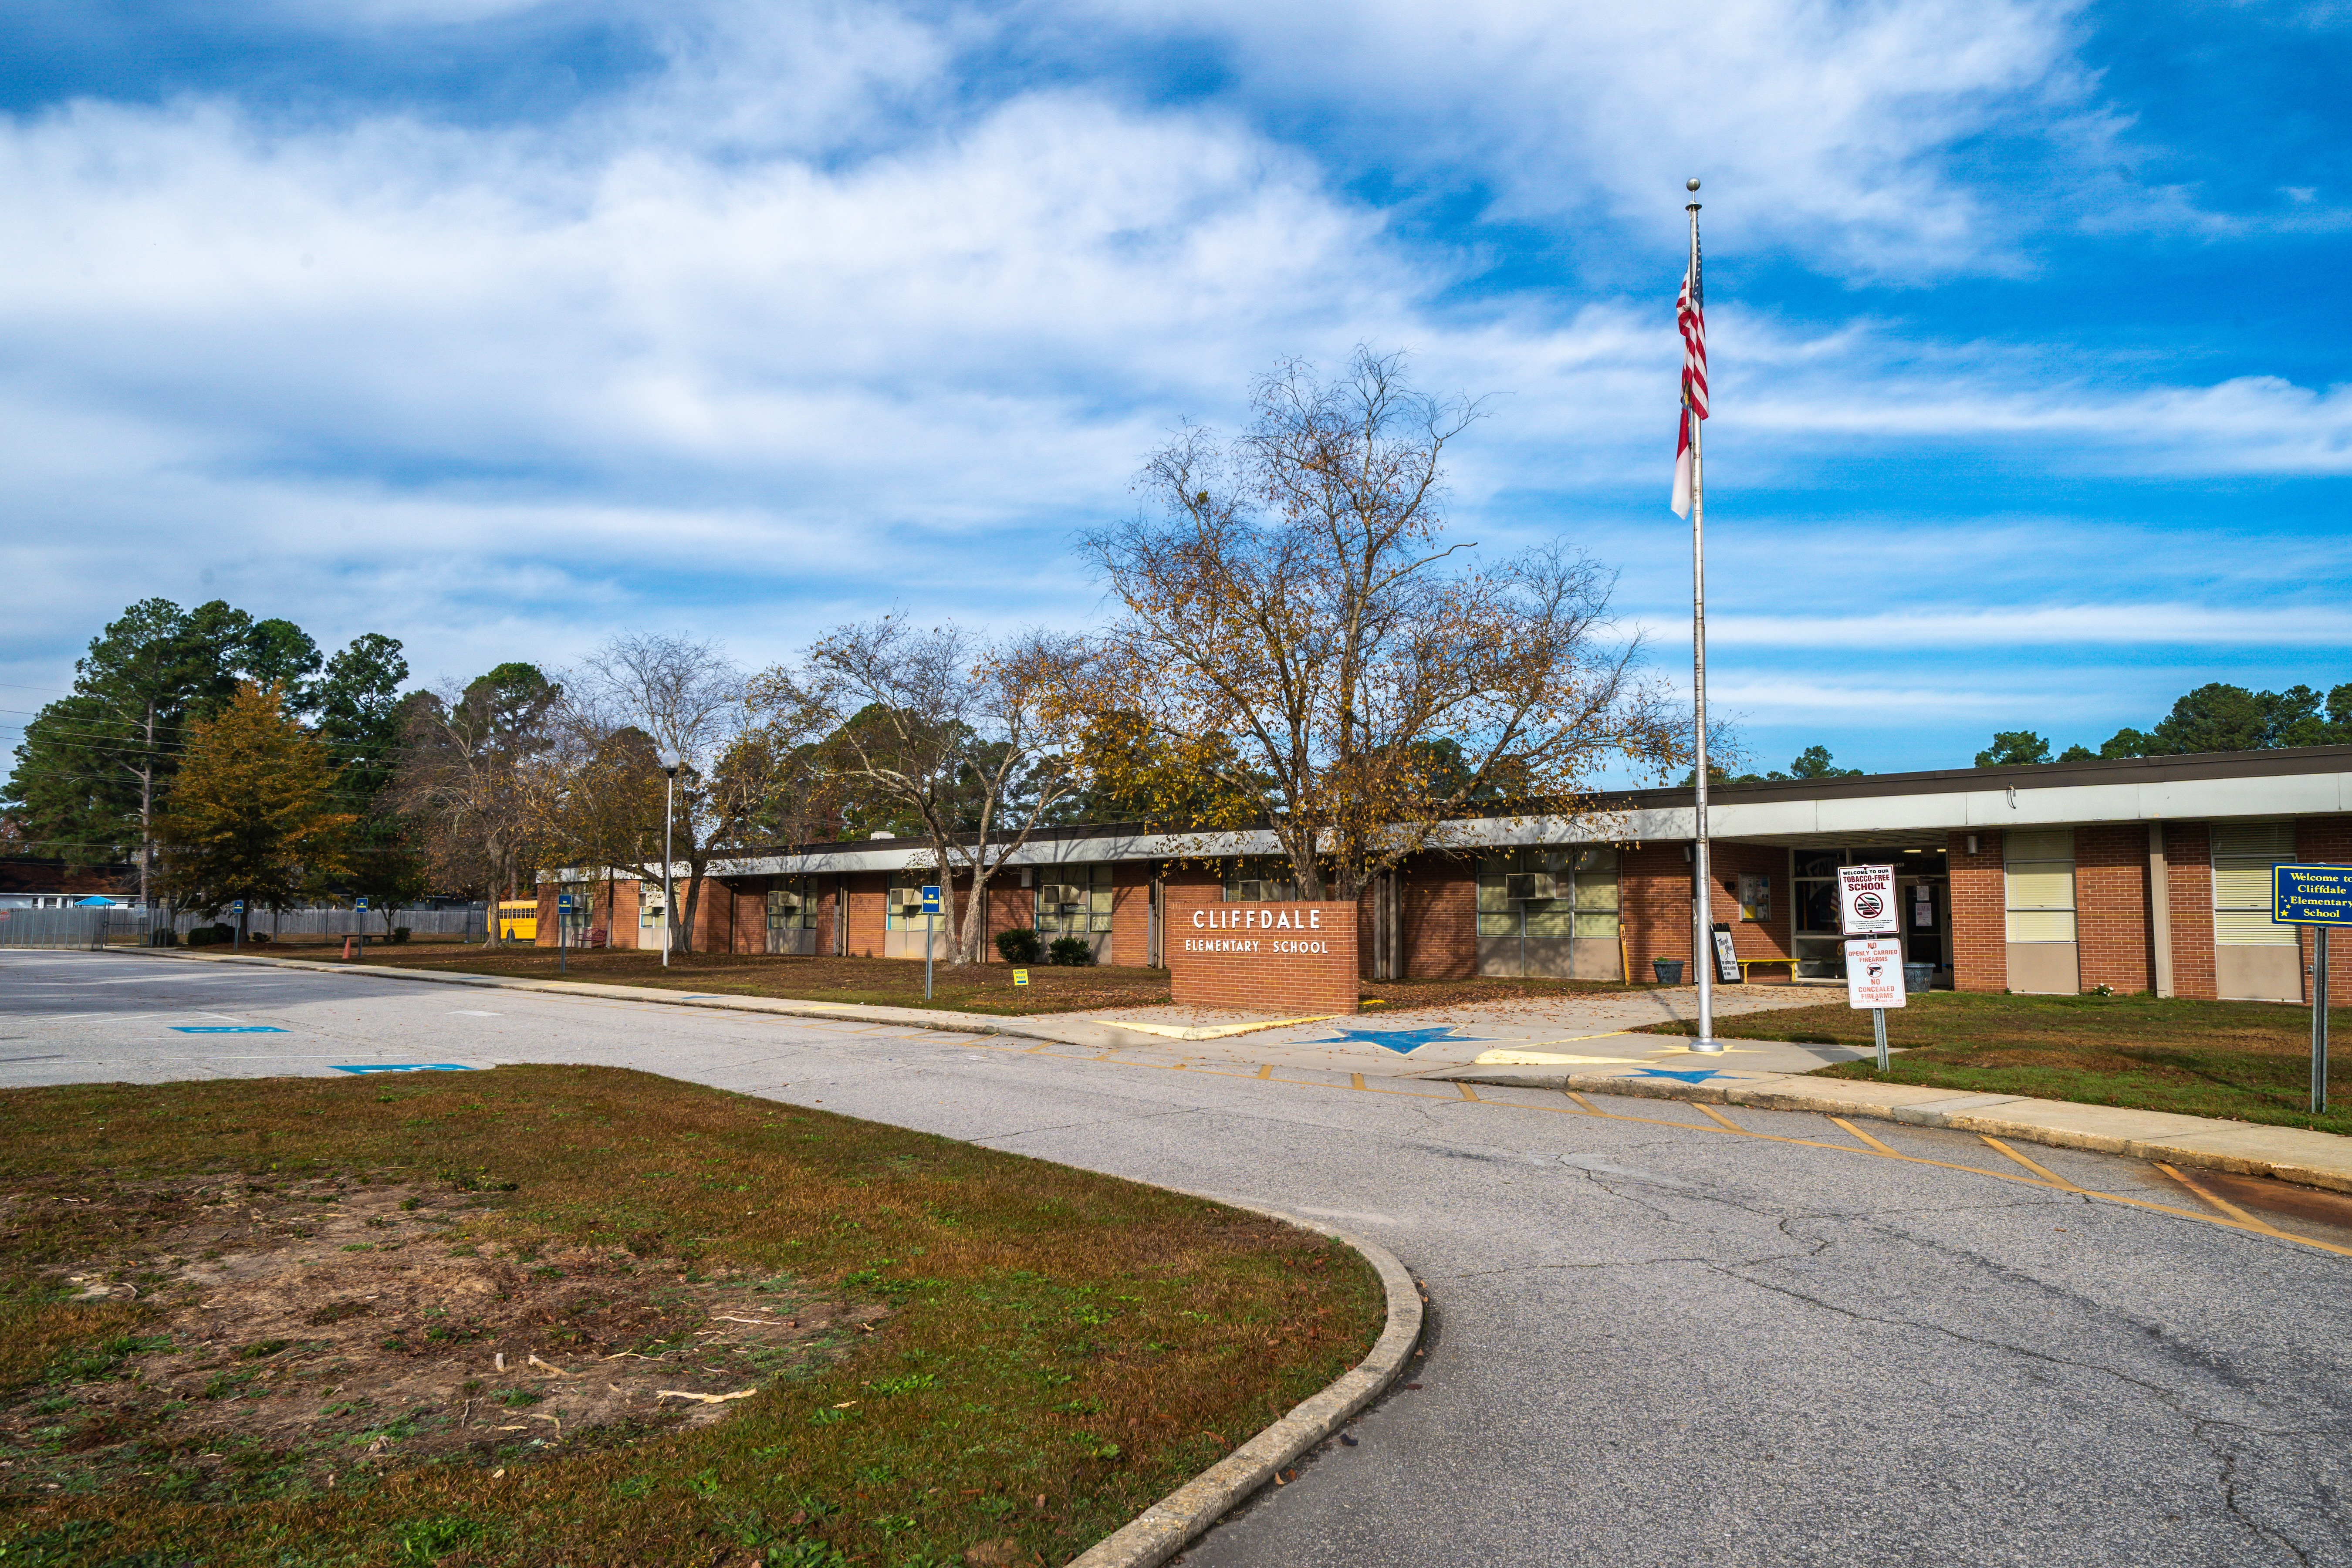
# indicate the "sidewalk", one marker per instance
pixel 2290 1154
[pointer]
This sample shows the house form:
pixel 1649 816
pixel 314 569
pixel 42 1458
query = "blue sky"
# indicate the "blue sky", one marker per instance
pixel 497 326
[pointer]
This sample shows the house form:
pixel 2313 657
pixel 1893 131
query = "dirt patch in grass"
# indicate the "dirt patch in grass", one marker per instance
pixel 225 1336
pixel 288 1333
pixel 882 982
pixel 2243 1061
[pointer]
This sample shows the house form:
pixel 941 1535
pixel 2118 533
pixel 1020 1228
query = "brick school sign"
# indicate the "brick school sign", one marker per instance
pixel 1260 958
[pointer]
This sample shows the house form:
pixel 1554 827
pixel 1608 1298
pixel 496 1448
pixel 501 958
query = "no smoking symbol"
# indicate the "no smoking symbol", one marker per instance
pixel 1868 905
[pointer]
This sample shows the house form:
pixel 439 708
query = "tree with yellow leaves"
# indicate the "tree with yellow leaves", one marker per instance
pixel 254 814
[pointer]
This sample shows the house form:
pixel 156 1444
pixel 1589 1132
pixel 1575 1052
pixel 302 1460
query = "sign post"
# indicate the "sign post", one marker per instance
pixel 237 932
pixel 2318 897
pixel 930 924
pixel 563 931
pixel 360 905
pixel 1874 964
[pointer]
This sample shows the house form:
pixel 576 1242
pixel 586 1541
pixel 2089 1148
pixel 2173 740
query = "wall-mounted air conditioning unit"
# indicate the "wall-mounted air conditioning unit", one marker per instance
pixel 1261 892
pixel 1520 885
pixel 1064 894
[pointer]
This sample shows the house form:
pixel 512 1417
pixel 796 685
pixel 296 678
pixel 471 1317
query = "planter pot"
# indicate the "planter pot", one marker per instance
pixel 1668 970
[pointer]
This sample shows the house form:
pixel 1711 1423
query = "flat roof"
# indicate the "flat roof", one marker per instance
pixel 1881 808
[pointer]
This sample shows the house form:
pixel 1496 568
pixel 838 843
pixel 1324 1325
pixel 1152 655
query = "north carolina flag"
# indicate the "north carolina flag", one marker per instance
pixel 1690 315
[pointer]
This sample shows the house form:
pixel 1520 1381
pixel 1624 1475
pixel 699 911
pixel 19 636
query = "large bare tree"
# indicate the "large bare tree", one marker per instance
pixel 973 740
pixel 1299 644
pixel 464 774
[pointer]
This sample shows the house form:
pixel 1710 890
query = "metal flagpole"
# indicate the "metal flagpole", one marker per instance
pixel 1702 898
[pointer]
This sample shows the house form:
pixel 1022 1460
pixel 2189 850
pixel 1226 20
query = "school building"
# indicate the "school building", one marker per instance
pixel 2136 874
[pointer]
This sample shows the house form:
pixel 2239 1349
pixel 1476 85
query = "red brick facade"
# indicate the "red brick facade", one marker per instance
pixel 1441 918
pixel 1232 956
pixel 1654 907
pixel 2188 860
pixel 2115 935
pixel 1979 914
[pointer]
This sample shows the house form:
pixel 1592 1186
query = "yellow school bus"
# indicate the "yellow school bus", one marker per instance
pixel 518 920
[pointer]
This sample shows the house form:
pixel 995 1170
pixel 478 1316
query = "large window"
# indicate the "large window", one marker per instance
pixel 1073 900
pixel 2244 854
pixel 1265 879
pixel 1539 893
pixel 792 904
pixel 2038 867
pixel 575 920
pixel 904 908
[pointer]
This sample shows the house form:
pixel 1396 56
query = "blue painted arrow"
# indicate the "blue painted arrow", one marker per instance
pixel 1404 1042
pixel 1700 1076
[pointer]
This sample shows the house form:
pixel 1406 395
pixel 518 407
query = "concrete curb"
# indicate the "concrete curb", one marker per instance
pixel 2243 1148
pixel 1172 1524
pixel 1087 1032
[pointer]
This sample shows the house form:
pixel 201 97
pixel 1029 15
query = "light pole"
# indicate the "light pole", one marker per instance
pixel 670 764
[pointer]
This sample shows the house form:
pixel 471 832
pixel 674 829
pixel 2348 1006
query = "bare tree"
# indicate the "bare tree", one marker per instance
pixel 1300 645
pixel 974 740
pixel 464 777
pixel 640 700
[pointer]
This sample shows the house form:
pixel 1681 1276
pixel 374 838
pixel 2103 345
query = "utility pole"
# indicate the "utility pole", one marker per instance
pixel 670 762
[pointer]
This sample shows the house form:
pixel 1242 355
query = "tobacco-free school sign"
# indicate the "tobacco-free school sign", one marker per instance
pixel 1866 900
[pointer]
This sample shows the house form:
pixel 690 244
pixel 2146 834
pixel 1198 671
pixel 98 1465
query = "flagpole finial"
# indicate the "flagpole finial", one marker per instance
pixel 1692 183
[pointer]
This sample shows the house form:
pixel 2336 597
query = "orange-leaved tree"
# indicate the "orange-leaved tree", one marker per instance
pixel 255 814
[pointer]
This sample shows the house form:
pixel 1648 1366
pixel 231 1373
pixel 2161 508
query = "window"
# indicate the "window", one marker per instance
pixel 1755 897
pixel 576 920
pixel 1073 900
pixel 905 905
pixel 793 905
pixel 2039 867
pixel 1261 881
pixel 2243 854
pixel 1548 893
pixel 650 908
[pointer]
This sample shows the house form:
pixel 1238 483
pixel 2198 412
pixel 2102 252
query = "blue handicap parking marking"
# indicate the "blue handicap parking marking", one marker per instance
pixel 1699 1077
pixel 1404 1042
pixel 226 1029
pixel 409 1066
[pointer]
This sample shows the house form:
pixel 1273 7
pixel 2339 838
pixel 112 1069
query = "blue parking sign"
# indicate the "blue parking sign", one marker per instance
pixel 931 899
pixel 361 904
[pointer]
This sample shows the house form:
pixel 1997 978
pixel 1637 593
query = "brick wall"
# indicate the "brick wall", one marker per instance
pixel 1774 937
pixel 2112 926
pixel 2327 841
pixel 1130 912
pixel 2187 854
pixel 1440 917
pixel 1979 914
pixel 866 927
pixel 1264 980
pixel 1653 909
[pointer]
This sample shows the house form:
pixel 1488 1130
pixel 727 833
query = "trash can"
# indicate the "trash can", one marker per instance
pixel 1669 970
pixel 1918 977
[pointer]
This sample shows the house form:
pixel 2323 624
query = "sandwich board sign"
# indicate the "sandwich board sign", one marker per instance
pixel 1867 902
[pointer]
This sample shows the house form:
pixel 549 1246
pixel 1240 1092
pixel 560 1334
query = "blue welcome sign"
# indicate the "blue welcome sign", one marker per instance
pixel 2311 895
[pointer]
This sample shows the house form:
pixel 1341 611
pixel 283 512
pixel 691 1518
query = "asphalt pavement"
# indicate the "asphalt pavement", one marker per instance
pixel 1656 1339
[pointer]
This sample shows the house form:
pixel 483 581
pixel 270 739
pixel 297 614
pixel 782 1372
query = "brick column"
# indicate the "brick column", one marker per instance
pixel 1284 958
pixel 1654 893
pixel 2188 858
pixel 2327 841
pixel 2111 921
pixel 1979 914
pixel 1440 917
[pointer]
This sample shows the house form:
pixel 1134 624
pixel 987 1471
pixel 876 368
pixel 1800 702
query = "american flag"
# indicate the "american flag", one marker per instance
pixel 1690 315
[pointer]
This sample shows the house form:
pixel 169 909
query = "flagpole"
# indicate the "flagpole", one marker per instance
pixel 1702 896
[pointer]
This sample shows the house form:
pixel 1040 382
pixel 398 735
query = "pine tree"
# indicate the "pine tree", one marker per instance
pixel 254 814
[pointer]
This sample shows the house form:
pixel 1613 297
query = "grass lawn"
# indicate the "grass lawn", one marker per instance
pixel 891 981
pixel 448 1318
pixel 2247 1061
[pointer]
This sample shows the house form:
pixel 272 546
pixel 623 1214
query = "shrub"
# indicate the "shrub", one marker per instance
pixel 400 934
pixel 1076 951
pixel 256 936
pixel 1018 946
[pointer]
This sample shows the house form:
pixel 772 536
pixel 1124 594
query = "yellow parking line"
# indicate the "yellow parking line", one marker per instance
pixel 1589 1108
pixel 2219 1202
pixel 1266 1071
pixel 1358 1080
pixel 1866 1137
pixel 1720 1117
pixel 2051 1177
pixel 1467 1092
